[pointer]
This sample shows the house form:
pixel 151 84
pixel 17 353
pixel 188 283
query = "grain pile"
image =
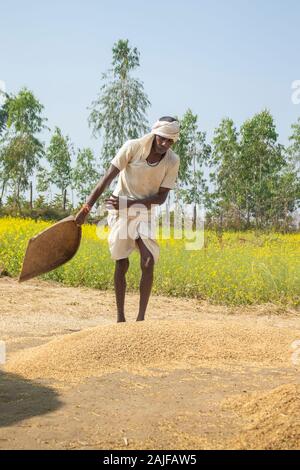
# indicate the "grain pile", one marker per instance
pixel 273 419
pixel 134 346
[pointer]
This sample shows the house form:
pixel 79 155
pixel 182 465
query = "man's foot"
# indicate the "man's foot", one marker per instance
pixel 121 319
pixel 140 318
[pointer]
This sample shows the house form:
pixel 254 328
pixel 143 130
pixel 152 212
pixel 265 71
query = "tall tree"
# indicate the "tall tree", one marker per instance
pixel 253 179
pixel 294 149
pixel 261 161
pixel 21 149
pixel 119 112
pixel 225 175
pixel 4 174
pixel 294 163
pixel 286 198
pixel 194 154
pixel 59 156
pixel 85 174
pixel 4 106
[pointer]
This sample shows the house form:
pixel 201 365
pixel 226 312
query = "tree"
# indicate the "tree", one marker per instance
pixel 119 111
pixel 286 198
pixel 261 161
pixel 21 149
pixel 21 156
pixel 58 155
pixel 24 113
pixel 194 153
pixel 225 177
pixel 293 179
pixel 4 176
pixel 294 149
pixel 4 111
pixel 85 174
pixel 252 177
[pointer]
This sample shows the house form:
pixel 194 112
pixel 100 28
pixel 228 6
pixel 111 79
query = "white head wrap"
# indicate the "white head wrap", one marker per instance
pixel 169 130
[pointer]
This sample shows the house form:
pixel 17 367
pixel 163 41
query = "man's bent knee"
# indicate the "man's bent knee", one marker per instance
pixel 147 263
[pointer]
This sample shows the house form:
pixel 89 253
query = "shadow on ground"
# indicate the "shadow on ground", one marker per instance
pixel 22 399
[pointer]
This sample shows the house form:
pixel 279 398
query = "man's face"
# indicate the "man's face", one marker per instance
pixel 162 144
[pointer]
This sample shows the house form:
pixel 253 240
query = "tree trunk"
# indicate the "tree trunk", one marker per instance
pixel 220 230
pixel 2 192
pixel 64 199
pixel 194 217
pixel 17 200
pixel 195 208
pixel 285 215
pixel 30 202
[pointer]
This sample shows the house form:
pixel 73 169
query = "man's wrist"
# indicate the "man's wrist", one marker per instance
pixel 141 202
pixel 130 202
pixel 87 208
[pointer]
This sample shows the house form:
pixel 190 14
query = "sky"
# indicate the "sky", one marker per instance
pixel 220 58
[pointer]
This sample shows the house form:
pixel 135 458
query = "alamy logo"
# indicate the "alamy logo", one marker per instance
pixel 296 92
pixel 296 354
pixel 137 220
pixel 2 92
pixel 2 352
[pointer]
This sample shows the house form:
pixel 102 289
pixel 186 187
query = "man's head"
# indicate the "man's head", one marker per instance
pixel 162 144
pixel 166 131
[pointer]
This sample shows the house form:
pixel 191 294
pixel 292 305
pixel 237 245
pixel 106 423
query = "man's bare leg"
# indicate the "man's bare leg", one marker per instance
pixel 121 269
pixel 147 266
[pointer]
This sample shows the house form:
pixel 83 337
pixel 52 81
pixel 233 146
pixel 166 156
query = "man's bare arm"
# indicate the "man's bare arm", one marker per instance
pixel 104 183
pixel 158 199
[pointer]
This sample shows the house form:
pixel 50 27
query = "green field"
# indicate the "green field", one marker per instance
pixel 244 268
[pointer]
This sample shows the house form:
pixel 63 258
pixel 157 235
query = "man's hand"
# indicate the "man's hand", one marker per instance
pixel 82 214
pixel 156 199
pixel 113 201
pixel 111 173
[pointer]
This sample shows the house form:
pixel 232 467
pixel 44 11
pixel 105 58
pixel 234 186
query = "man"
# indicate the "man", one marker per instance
pixel 147 170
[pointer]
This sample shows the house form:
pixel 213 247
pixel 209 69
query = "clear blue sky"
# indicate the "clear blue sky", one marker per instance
pixel 218 57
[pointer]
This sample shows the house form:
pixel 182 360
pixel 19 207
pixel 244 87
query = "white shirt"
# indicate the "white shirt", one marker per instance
pixel 137 178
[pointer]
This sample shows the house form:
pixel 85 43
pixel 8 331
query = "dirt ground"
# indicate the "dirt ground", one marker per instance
pixel 169 404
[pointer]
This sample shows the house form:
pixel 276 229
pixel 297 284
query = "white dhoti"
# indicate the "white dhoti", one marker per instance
pixel 126 228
